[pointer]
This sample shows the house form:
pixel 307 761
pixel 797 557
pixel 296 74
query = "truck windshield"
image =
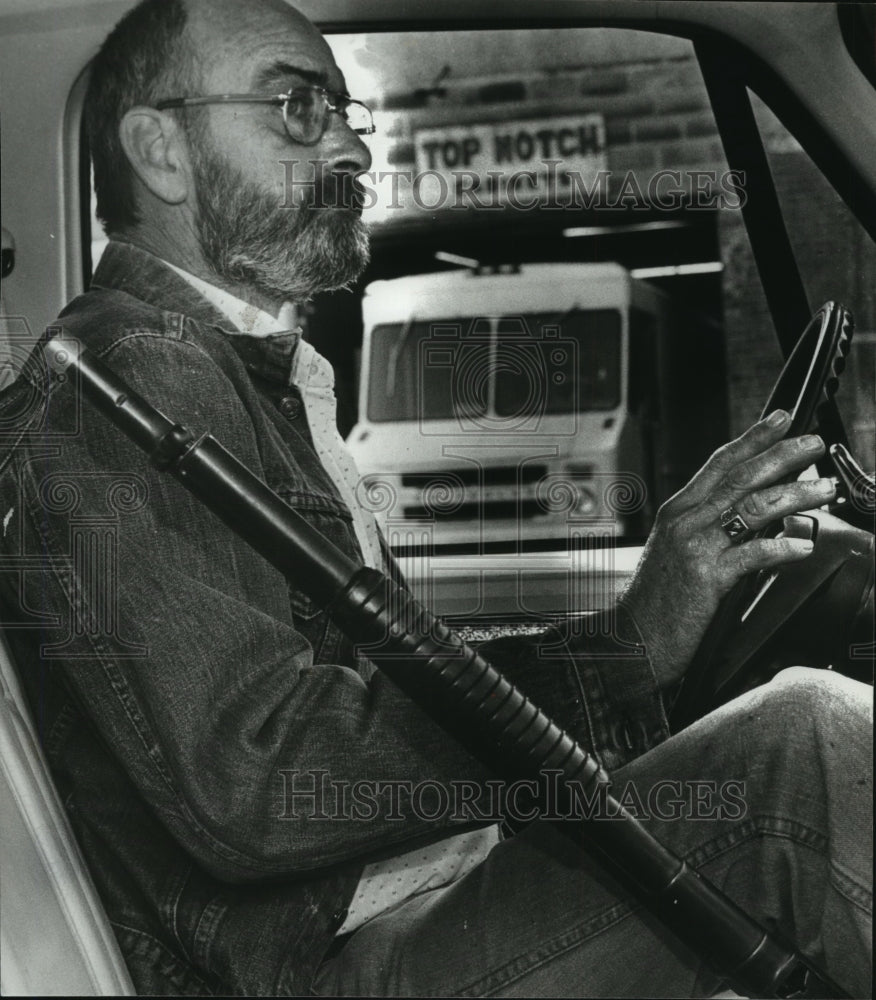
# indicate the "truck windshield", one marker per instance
pixel 444 369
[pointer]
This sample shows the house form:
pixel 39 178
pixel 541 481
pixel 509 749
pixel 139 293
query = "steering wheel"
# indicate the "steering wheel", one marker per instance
pixel 762 613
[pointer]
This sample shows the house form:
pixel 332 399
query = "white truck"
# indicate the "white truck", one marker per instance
pixel 513 410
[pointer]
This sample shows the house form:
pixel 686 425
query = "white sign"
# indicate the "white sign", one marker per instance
pixel 542 151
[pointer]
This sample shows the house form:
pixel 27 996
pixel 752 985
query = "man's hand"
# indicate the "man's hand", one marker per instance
pixel 690 562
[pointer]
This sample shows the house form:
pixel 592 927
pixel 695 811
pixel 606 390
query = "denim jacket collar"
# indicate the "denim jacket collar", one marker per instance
pixel 131 269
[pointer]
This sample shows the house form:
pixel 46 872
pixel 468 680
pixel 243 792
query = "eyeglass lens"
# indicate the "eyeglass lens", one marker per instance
pixel 306 114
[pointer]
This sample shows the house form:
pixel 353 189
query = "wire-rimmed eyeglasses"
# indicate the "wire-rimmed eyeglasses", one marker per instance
pixel 306 110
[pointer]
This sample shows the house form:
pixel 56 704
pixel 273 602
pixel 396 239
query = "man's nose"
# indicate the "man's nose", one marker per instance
pixel 344 149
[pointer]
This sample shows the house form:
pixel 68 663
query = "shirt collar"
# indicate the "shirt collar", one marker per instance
pixel 137 272
pixel 249 319
pixel 266 344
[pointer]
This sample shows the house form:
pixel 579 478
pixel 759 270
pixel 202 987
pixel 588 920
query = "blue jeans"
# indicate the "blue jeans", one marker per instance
pixel 537 918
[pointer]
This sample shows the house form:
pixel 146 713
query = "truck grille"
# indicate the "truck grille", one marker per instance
pixel 492 510
pixel 470 475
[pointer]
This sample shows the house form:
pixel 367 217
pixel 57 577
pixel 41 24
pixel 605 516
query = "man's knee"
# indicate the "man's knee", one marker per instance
pixel 806 737
pixel 816 689
pixel 804 696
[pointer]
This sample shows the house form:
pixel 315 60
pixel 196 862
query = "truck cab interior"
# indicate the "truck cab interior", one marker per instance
pixel 760 120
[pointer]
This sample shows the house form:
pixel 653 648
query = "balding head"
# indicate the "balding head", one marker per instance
pixel 231 190
pixel 234 43
pixel 165 48
pixel 219 27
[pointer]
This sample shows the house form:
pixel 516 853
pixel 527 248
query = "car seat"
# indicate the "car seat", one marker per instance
pixel 55 938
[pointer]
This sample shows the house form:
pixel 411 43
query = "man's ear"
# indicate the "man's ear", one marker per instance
pixel 154 145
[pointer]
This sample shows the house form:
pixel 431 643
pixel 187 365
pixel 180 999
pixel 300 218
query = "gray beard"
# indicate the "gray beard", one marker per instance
pixel 249 239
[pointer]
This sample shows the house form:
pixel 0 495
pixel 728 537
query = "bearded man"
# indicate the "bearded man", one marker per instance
pixel 199 697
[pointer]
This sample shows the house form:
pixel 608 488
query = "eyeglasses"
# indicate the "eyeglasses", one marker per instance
pixel 306 110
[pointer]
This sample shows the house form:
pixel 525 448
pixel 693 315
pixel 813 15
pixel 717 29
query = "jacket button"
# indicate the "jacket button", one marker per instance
pixel 339 916
pixel 290 407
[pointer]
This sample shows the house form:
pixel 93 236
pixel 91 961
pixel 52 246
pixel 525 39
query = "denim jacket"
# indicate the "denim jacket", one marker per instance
pixel 180 683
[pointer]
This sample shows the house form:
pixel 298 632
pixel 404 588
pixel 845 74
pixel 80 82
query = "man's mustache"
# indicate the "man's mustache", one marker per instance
pixel 334 189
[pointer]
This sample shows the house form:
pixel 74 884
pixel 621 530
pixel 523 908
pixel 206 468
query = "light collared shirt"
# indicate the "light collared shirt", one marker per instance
pixel 245 316
pixel 314 378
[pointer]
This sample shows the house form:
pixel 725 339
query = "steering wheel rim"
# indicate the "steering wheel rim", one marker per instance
pixel 808 381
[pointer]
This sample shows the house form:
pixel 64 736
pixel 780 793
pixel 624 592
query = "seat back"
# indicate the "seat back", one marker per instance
pixel 55 938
